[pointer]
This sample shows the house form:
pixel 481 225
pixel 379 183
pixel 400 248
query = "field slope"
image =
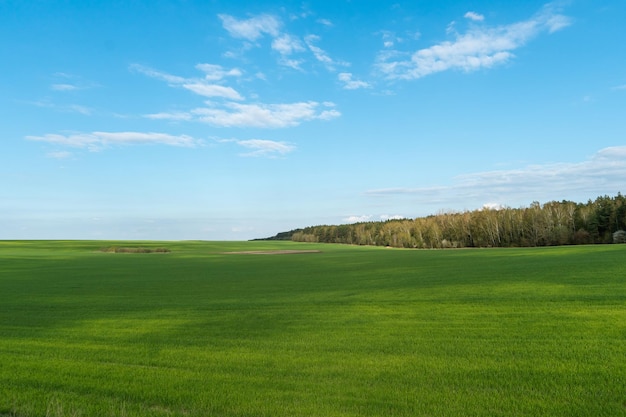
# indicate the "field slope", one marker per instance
pixel 329 331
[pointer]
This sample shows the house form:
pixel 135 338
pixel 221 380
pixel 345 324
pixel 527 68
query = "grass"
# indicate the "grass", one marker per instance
pixel 349 331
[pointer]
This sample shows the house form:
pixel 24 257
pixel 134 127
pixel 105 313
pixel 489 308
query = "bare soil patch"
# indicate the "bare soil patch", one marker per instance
pixel 271 252
pixel 117 249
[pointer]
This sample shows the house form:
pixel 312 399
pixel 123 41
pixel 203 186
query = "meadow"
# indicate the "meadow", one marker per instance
pixel 196 329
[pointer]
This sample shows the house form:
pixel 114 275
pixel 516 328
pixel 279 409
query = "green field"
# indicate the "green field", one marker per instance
pixel 348 331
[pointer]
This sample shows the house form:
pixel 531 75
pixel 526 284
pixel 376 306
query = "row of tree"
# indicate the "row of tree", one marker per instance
pixel 553 223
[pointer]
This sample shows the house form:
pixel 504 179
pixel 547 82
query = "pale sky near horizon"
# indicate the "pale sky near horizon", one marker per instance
pixel 232 120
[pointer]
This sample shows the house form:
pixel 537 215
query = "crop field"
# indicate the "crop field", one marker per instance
pixel 236 329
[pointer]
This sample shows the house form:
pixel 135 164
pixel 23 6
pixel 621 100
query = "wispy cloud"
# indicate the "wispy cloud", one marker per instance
pixel 64 82
pixel 474 16
pixel 261 147
pixel 350 84
pixel 213 72
pixel 200 86
pixel 76 108
pixel 321 55
pixel 59 154
pixel 170 116
pixel 285 44
pixel 265 115
pixel 253 28
pixel 604 172
pixel 368 217
pixel 385 217
pixel 255 115
pixel 64 87
pixel 65 108
pixel 230 112
pixel 159 75
pixel 480 47
pixel 98 140
pixel 325 22
pixel 212 90
pixel 357 219
pixel 389 38
pixel 266 148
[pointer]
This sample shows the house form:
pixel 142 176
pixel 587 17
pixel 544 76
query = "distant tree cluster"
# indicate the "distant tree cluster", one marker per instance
pixel 553 223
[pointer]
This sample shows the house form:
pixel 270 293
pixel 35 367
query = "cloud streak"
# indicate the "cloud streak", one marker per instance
pixel 253 28
pixel 261 147
pixel 480 47
pixel 265 115
pixel 476 17
pixel 206 87
pixel 96 141
pixel 266 148
pixel 64 108
pixel 604 172
pixel 319 53
pixel 285 44
pixel 350 84
pixel 64 87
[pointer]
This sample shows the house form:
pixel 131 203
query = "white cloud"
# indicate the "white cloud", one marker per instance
pixel 478 48
pixel 195 85
pixel 451 28
pixel 325 22
pixel 253 28
pixel 76 108
pixel 287 44
pixel 328 115
pixel 169 116
pixel 64 87
pixel 357 219
pixel 474 16
pixel 292 63
pixel 389 38
pixel 159 75
pixel 212 90
pixel 554 21
pixel 603 173
pixel 68 82
pixel 263 115
pixel 230 113
pixel 69 108
pixel 98 140
pixel 59 154
pixel 321 55
pixel 385 217
pixel 261 147
pixel 493 206
pixel 350 84
pixel 614 153
pixel 215 72
pixel 268 148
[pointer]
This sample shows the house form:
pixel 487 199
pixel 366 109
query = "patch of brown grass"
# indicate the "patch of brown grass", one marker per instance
pixel 271 252
pixel 117 249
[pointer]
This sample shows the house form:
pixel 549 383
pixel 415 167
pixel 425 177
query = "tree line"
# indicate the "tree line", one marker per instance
pixel 553 223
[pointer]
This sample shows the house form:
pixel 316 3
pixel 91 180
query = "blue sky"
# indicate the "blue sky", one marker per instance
pixel 229 120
